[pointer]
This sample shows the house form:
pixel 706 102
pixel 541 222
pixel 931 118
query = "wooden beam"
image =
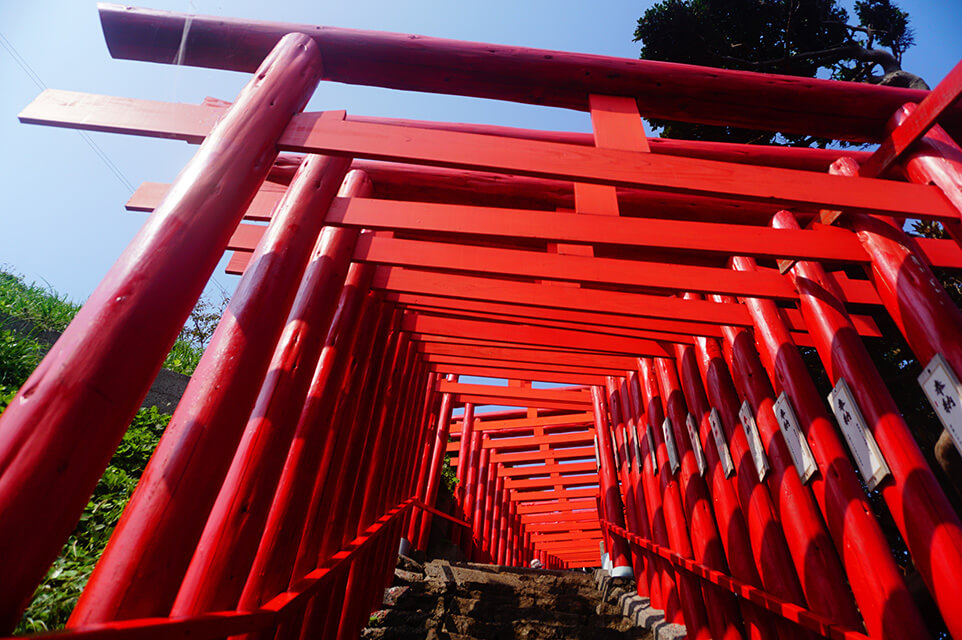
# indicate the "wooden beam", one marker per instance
pixel 524 334
pixel 316 133
pixel 582 269
pixel 824 108
pixel 564 420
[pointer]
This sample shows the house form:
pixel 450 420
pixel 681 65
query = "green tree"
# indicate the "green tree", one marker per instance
pixel 793 37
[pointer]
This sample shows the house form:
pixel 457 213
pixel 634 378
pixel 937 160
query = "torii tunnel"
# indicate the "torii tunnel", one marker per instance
pixel 666 285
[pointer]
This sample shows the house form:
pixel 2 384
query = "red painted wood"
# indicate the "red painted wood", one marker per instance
pixel 100 371
pixel 647 407
pixel 722 610
pixel 820 572
pixel 522 334
pixel 481 423
pixel 771 553
pixel 556 481
pixel 519 354
pixel 556 506
pixel 875 579
pixel 519 374
pixel 729 516
pixel 514 443
pixel 409 281
pixel 316 133
pixel 506 262
pixel 596 319
pixel 434 475
pixel 922 118
pixel 227 546
pixel 915 499
pixel 650 233
pixel 556 324
pixel 535 456
pixel 553 78
pixel 570 467
pixel 787 610
pixel 689 593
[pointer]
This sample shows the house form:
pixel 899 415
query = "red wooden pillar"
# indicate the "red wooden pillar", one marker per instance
pixel 645 573
pixel 470 492
pixel 226 548
pixel 101 368
pixel 629 499
pixel 928 524
pixel 934 159
pixel 821 575
pixel 504 498
pixel 425 465
pixel 608 483
pixel 663 593
pixel 721 607
pixel 689 592
pixel 165 518
pixel 480 501
pixel 771 553
pixel 353 478
pixel 487 540
pixel 876 580
pixel 314 437
pixel 728 512
pixel 437 459
pixel 323 488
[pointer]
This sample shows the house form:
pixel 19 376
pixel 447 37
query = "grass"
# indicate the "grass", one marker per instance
pixel 48 310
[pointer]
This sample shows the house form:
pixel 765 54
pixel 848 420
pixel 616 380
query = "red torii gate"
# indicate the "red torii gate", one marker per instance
pixel 401 251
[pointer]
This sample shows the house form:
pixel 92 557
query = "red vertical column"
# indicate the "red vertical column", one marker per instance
pixel 663 594
pixel 628 489
pixel 732 528
pixel 876 580
pixel 470 492
pixel 646 577
pixel 437 460
pixel 463 469
pixel 721 606
pixel 425 465
pixel 611 503
pixel 692 603
pixel 274 559
pixel 499 520
pixel 928 524
pixel 771 553
pixel 102 366
pixel 487 541
pixel 821 575
pixel 226 548
pixel 481 491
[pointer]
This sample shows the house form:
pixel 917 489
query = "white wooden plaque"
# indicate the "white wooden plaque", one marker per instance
pixel 651 449
pixel 696 444
pixel 754 440
pixel 720 443
pixel 636 441
pixel 942 387
pixel 669 436
pixel 797 445
pixel 614 448
pixel 861 443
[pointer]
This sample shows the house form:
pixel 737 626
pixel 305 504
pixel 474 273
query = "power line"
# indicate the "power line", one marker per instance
pixel 21 61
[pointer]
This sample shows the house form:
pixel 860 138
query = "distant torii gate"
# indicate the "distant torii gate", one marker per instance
pixel 672 282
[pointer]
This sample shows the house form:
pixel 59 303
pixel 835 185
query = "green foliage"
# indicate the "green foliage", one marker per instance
pixel 793 37
pixel 42 306
pixel 48 310
pixel 19 356
pixel 449 478
pixel 58 593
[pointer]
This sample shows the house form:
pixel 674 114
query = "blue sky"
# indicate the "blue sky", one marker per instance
pixel 61 208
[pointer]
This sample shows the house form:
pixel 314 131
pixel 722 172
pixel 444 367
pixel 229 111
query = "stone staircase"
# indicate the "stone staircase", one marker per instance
pixel 443 600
